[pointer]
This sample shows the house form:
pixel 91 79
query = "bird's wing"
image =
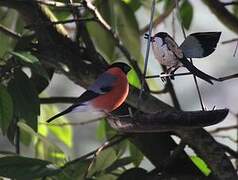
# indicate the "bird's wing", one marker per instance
pixel 197 72
pixel 199 45
pixel 103 84
pixel 172 45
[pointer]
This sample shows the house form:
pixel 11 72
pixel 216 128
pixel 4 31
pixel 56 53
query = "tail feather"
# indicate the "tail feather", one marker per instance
pixel 197 72
pixel 66 111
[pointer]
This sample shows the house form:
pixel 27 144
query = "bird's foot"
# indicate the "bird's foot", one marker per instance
pixel 146 36
pixel 163 78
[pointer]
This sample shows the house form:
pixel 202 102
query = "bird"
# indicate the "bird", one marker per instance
pixel 106 94
pixel 196 45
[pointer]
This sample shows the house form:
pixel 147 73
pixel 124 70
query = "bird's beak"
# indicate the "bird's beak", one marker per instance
pixel 147 37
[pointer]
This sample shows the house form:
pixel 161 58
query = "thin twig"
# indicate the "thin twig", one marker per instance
pixel 158 19
pixel 228 77
pixel 59 4
pixel 229 150
pixel 100 149
pixel 168 75
pixel 9 32
pixel 60 22
pixel 234 54
pixel 143 81
pixel 230 41
pixel 230 3
pixel 93 152
pixel 194 77
pixel 53 100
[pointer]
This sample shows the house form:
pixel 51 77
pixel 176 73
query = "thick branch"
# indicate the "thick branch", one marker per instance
pixel 168 121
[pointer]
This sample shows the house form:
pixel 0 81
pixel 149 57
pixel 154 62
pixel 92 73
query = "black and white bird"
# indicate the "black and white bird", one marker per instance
pixel 196 45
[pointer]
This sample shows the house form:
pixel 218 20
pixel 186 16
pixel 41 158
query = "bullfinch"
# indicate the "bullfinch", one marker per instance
pixel 107 93
pixel 196 45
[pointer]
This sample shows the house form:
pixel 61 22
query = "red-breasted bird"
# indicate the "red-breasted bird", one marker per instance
pixel 107 93
pixel 196 45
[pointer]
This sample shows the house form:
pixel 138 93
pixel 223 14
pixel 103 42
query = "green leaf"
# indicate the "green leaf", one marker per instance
pixel 128 29
pixel 25 99
pixel 23 168
pixel 74 170
pixel 120 163
pixel 103 160
pixel 62 133
pixel 134 174
pixel 186 13
pixel 133 78
pixel 6 109
pixel 102 39
pixel 201 165
pixel 32 62
pixel 10 19
pixel 45 149
pixel 135 154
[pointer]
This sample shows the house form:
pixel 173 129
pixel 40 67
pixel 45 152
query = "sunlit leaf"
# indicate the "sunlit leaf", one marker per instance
pixel 102 39
pixel 63 133
pixel 133 78
pixel 128 29
pixel 103 160
pixel 135 154
pixel 25 98
pixel 186 13
pixel 23 168
pixel 45 149
pixel 201 165
pixel 6 109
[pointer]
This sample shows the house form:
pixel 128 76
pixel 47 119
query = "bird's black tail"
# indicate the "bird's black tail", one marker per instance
pixel 66 111
pixel 197 72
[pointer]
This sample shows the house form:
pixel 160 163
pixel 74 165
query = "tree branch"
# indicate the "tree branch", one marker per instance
pixel 9 32
pixel 227 18
pixel 165 121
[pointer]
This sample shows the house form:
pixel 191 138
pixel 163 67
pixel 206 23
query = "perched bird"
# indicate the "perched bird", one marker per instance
pixel 196 45
pixel 107 93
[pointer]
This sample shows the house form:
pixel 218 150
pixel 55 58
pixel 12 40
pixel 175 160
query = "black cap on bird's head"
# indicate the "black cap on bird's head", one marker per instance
pixel 161 35
pixel 123 66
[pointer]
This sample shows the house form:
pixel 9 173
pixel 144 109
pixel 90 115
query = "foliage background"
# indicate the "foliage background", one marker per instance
pixel 66 142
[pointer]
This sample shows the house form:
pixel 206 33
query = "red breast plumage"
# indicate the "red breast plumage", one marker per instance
pixel 107 93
